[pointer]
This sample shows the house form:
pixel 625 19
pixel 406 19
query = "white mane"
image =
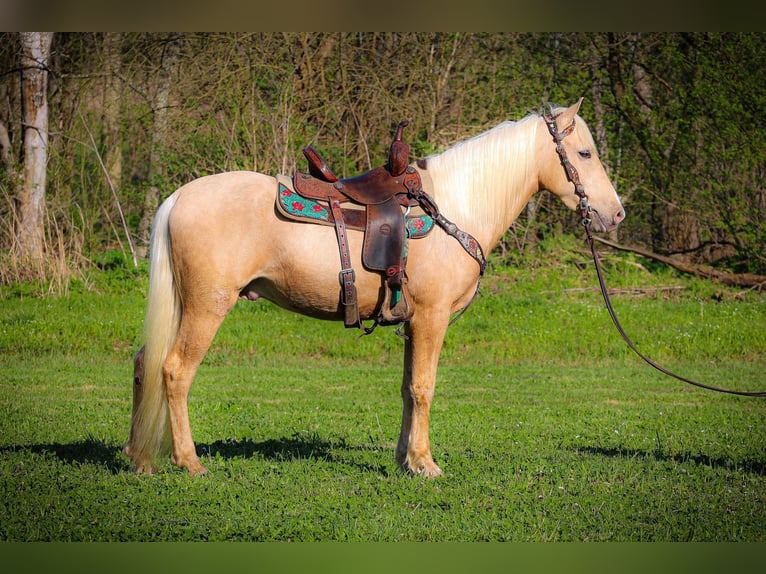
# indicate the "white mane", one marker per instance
pixel 484 181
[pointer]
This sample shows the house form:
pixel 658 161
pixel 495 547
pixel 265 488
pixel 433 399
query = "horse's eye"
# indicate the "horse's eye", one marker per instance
pixel 585 154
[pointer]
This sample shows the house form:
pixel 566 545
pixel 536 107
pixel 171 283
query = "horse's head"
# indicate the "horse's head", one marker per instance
pixel 580 149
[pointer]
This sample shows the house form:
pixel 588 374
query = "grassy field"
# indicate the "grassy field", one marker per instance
pixel 547 427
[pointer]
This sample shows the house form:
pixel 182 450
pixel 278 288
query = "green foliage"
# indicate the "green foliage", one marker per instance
pixel 688 102
pixel 674 116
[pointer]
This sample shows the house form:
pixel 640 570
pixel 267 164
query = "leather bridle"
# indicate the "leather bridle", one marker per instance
pixel 585 213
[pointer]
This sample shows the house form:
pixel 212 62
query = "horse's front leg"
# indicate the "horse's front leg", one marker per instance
pixel 425 335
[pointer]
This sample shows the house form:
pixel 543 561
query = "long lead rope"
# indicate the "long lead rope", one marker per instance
pixel 585 210
pixel 633 347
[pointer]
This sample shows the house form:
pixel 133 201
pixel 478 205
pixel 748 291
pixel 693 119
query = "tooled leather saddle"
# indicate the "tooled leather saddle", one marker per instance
pixel 380 195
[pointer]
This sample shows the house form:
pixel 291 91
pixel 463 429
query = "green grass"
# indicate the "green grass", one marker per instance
pixel 546 426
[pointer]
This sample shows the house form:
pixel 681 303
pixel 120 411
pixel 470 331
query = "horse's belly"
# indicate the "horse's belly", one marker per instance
pixel 303 273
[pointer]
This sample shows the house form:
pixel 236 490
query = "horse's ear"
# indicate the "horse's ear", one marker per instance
pixel 565 118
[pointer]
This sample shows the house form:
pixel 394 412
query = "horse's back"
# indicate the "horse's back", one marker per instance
pixel 220 201
pixel 221 189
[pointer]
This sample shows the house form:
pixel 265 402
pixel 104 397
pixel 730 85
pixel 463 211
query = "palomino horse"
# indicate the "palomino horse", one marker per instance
pixel 220 238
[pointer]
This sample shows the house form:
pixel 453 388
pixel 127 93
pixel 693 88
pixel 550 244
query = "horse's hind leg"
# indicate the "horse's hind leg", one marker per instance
pixel 196 332
pixel 138 391
pixel 425 335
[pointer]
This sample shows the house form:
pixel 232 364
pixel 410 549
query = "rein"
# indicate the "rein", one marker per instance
pixel 585 211
pixel 465 239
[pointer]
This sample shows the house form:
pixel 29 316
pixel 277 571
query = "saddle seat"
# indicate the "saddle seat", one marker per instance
pixel 373 187
pixel 382 192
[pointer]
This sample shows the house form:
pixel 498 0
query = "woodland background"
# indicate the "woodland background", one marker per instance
pixel 678 119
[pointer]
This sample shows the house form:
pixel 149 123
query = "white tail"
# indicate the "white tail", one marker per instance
pixel 150 435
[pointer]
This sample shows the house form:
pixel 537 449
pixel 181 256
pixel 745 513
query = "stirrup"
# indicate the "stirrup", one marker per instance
pixel 397 304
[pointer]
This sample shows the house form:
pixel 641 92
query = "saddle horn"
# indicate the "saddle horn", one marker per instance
pixel 399 156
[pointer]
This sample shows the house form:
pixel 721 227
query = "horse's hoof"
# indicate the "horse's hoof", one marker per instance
pixel 430 471
pixel 193 465
pixel 197 470
pixel 144 468
pixel 426 469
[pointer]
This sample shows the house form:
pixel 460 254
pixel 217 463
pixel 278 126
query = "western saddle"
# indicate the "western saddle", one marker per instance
pixel 382 193
pixel 373 202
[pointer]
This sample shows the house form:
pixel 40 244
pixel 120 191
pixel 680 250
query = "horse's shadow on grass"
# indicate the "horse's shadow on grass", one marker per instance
pixel 96 452
pixel 749 466
pixel 312 447
pixel 297 447
pixel 89 451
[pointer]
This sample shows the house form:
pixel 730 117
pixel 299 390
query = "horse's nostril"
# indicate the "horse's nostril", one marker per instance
pixel 619 216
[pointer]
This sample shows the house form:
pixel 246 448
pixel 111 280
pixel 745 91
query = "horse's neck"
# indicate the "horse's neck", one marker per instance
pixel 483 184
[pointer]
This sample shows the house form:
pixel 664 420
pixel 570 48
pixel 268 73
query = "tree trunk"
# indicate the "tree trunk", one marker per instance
pixel 7 156
pixel 170 59
pixel 30 195
pixel 112 151
pixel 749 280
